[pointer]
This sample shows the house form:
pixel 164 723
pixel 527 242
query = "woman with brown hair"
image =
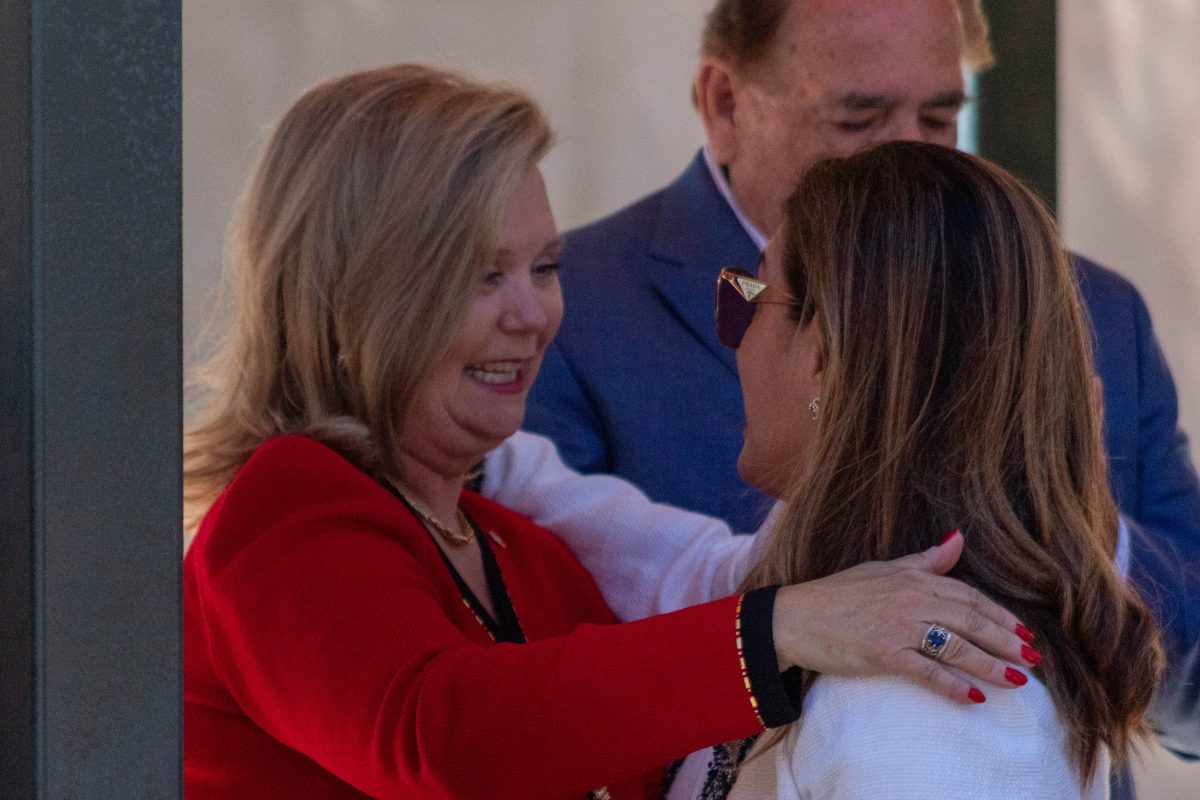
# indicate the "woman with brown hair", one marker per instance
pixel 913 355
pixel 356 622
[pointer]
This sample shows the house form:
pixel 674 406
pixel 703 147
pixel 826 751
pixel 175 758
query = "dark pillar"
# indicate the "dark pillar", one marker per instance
pixel 90 399
pixel 1018 105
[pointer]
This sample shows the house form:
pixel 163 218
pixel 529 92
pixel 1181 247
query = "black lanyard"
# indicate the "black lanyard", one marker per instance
pixel 504 627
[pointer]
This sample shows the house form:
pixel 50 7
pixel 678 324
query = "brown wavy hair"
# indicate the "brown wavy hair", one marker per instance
pixel 376 199
pixel 957 391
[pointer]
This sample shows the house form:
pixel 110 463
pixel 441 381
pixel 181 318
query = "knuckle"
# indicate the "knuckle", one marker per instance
pixel 977 599
pixel 945 682
pixel 956 650
pixel 935 677
pixel 939 675
pixel 911 597
pixel 974 624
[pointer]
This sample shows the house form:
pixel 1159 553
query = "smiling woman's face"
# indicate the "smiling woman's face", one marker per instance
pixel 475 397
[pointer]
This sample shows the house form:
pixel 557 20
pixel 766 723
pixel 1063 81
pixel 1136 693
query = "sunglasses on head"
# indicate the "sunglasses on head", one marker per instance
pixel 738 292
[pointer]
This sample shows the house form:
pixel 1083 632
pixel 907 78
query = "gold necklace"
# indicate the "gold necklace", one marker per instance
pixel 464 535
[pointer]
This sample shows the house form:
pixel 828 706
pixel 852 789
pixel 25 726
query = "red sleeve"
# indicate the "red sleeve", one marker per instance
pixel 333 637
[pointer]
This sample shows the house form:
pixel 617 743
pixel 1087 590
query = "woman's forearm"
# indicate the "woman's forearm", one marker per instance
pixel 647 558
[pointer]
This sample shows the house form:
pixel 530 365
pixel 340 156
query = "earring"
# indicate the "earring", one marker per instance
pixel 815 407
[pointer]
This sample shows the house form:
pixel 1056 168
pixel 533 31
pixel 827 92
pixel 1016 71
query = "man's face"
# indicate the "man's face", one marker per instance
pixel 844 75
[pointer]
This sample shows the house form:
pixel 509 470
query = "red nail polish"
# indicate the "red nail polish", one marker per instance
pixel 1024 633
pixel 948 537
pixel 1031 655
pixel 976 696
pixel 1015 677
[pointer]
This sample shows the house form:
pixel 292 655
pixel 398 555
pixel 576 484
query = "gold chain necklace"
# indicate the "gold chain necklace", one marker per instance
pixel 464 535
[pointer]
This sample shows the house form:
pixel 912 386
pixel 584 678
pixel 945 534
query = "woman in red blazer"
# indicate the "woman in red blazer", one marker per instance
pixel 357 623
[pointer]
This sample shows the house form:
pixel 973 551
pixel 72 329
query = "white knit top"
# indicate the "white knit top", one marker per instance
pixel 890 739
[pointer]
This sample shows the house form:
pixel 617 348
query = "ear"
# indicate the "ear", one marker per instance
pixel 716 100
pixel 814 356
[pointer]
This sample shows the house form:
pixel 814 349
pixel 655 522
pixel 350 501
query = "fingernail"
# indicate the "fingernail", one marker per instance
pixel 1015 677
pixel 976 696
pixel 1031 655
pixel 948 537
pixel 1023 632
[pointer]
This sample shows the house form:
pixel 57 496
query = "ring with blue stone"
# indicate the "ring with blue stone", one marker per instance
pixel 935 641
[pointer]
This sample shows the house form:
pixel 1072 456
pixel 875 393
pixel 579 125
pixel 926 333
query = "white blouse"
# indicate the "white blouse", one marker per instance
pixel 890 739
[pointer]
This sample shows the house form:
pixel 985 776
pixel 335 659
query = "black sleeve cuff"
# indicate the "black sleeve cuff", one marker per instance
pixel 777 695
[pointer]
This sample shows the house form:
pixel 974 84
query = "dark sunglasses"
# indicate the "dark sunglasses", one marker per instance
pixel 738 292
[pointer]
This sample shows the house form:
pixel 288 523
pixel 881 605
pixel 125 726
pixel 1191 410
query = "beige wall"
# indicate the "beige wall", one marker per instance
pixel 614 77
pixel 1129 150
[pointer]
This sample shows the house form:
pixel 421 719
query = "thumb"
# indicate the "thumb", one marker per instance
pixel 942 557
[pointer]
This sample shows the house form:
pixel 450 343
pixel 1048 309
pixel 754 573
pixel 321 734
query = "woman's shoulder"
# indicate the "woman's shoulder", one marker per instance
pixel 292 472
pixel 295 458
pixel 889 737
pixel 888 705
pixel 291 488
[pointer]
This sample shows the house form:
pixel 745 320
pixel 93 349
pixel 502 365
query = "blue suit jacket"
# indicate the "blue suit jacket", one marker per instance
pixel 637 384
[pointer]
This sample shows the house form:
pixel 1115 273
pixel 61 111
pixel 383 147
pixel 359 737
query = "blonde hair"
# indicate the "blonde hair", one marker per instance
pixel 957 391
pixel 375 201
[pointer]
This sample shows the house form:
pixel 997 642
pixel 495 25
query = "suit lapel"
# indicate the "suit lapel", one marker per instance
pixel 695 236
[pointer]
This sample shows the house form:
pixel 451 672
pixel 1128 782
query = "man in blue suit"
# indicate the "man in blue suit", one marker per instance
pixel 637 384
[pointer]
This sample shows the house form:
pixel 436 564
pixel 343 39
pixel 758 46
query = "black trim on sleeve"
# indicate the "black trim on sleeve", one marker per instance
pixel 778 700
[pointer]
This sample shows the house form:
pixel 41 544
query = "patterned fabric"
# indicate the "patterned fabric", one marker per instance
pixel 723 769
pixel 669 777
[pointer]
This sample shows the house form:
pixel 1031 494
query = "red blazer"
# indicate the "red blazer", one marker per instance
pixel 329 654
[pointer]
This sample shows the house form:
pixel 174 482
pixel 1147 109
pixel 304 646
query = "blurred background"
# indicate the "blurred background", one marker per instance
pixel 1123 164
pixel 614 76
